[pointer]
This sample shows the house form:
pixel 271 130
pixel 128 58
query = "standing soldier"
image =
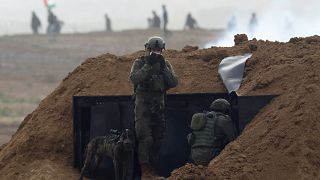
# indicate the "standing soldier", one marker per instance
pixel 108 23
pixel 212 131
pixel 35 23
pixel 165 19
pixel 151 76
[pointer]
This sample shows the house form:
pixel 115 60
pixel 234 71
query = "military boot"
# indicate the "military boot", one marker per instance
pixel 148 173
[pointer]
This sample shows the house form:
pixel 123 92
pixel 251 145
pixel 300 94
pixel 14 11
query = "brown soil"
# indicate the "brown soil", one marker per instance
pixel 240 38
pixel 31 66
pixel 281 142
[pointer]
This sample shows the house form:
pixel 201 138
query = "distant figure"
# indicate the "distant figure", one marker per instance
pixel 150 22
pixel 288 25
pixel 156 20
pixel 253 22
pixel 191 23
pixel 54 25
pixel 35 23
pixel 108 23
pixel 52 19
pixel 232 24
pixel 165 18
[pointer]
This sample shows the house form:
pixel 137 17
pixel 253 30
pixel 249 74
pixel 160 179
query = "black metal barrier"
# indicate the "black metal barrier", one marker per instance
pixel 96 115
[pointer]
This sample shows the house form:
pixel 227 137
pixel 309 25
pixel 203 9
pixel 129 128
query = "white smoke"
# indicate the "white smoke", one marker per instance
pixel 88 15
pixel 277 21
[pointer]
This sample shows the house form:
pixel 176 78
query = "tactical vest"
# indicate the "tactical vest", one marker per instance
pixel 204 132
pixel 155 83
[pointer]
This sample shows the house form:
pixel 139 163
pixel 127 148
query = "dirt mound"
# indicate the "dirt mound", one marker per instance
pixel 281 142
pixel 240 38
pixel 189 172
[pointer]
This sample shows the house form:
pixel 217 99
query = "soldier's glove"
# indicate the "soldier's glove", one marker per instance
pixel 156 58
pixel 151 59
pixel 161 61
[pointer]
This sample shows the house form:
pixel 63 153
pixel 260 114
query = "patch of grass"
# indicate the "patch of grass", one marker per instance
pixel 6 112
pixel 7 100
pixel 10 121
pixel 16 107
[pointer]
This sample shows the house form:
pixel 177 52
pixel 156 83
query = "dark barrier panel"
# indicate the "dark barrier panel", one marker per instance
pixel 95 116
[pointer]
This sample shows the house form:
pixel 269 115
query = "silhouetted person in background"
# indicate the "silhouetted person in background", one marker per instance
pixel 35 23
pixel 232 24
pixel 156 22
pixel 108 23
pixel 191 23
pixel 165 18
pixel 54 25
pixel 58 27
pixel 150 23
pixel 52 21
pixel 253 22
pixel 288 25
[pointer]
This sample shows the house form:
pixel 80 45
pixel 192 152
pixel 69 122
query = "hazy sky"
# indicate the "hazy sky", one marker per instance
pixel 88 15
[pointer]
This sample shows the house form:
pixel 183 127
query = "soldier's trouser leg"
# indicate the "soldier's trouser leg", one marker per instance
pixel 144 124
pixel 143 131
pixel 158 128
pixel 202 155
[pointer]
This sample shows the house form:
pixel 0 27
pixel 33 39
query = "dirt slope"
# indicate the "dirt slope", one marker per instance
pixel 31 66
pixel 282 141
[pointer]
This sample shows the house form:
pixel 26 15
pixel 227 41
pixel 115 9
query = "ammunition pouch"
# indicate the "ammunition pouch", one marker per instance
pixel 153 84
pixel 203 126
pixel 198 121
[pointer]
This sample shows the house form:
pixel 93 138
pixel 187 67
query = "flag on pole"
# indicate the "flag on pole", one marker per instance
pixel 50 4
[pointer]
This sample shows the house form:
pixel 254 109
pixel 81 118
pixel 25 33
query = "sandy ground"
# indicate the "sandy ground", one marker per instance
pixel 32 66
pixel 281 142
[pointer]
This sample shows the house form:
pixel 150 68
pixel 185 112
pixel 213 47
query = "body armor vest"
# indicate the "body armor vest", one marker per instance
pixel 155 83
pixel 206 136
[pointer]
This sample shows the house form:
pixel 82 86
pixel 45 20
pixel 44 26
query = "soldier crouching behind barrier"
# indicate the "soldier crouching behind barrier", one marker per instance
pixel 119 147
pixel 152 76
pixel 212 131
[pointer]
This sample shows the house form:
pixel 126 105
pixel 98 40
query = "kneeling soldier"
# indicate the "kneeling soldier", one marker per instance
pixel 212 131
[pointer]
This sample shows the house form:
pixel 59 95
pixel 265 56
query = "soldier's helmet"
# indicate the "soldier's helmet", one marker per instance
pixel 155 42
pixel 221 105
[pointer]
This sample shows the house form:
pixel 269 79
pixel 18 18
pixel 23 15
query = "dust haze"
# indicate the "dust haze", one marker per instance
pixel 86 16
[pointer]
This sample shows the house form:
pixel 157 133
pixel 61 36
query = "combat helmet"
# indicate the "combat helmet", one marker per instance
pixel 221 105
pixel 155 42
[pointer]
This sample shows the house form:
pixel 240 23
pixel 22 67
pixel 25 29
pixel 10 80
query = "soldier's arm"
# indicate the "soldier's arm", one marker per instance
pixel 226 124
pixel 169 76
pixel 139 72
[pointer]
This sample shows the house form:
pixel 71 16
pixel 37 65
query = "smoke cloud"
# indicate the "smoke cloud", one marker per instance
pixel 279 20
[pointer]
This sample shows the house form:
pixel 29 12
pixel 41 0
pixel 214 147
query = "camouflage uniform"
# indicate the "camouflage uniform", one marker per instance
pixel 151 82
pixel 211 132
